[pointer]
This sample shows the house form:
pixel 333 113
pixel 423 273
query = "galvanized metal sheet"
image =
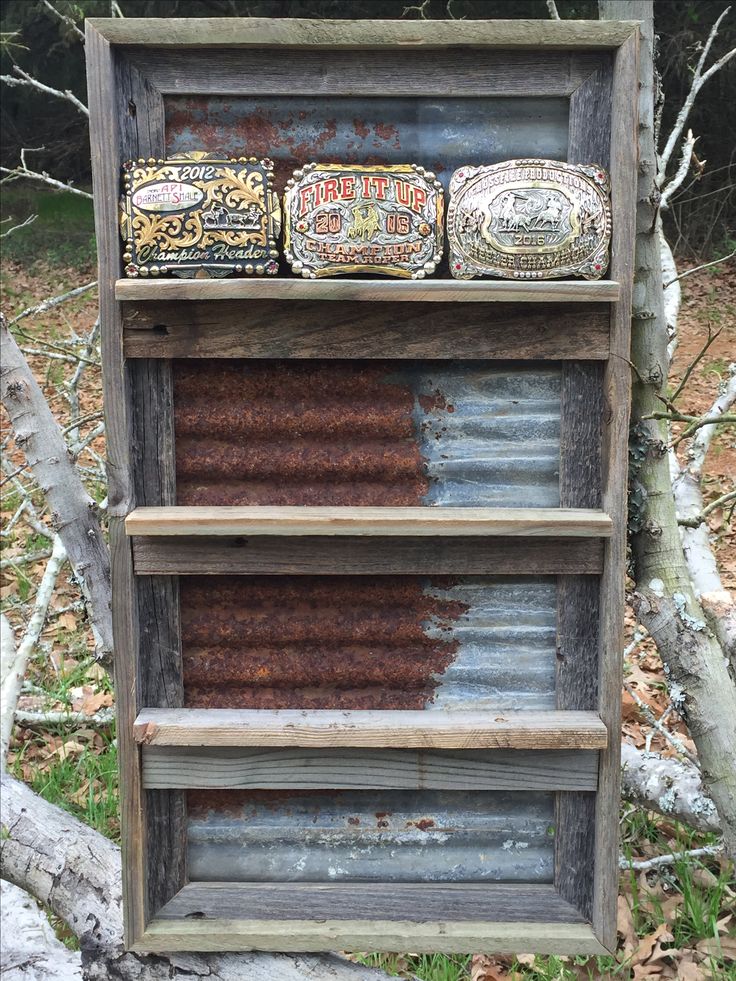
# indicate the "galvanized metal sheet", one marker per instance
pixel 367 836
pixel 366 433
pixel 399 642
pixel 440 134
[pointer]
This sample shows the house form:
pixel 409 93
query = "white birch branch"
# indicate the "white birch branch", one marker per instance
pixel 15 659
pixel 25 172
pixel 24 224
pixel 74 513
pixel 43 720
pixel 552 9
pixel 699 79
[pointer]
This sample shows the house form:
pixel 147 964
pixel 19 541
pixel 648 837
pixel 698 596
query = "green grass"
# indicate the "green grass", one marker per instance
pixel 62 234
pixel 83 783
pixel 428 967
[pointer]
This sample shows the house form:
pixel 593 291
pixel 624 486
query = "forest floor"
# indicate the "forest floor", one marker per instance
pixel 675 921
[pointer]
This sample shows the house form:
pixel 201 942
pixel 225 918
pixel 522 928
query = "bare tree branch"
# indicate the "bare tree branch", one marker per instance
pixel 699 79
pixel 688 146
pixel 23 171
pixel 64 19
pixel 552 8
pixel 660 860
pixel 24 224
pixel 74 512
pixel 697 269
pixel 24 80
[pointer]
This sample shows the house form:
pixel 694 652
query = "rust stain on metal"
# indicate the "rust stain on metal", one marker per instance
pixel 283 433
pixel 314 642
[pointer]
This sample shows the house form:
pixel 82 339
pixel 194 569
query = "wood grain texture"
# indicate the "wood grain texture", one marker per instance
pixel 581 412
pixel 104 143
pixel 374 521
pixel 393 769
pixel 370 73
pixel 617 391
pixel 262 32
pixel 347 555
pixel 589 129
pixel 160 668
pixel 386 901
pixel 389 728
pixel 370 291
pixel 425 936
pixel 352 329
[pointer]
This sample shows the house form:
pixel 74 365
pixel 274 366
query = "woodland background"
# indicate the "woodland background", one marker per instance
pixel 677 918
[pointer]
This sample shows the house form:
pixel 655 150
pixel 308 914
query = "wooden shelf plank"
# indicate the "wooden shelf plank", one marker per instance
pixel 449 901
pixel 393 729
pixel 369 521
pixel 266 32
pixel 372 290
pixel 317 768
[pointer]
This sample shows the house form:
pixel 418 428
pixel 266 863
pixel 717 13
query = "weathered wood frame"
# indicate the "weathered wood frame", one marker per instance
pixel 132 64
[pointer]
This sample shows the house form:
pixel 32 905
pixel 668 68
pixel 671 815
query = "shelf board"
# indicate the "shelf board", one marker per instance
pixel 369 521
pixel 438 290
pixel 364 728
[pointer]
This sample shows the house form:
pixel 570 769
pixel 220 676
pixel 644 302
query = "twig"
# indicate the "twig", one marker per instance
pixel 705 265
pixel 699 79
pixel 659 860
pixel 698 519
pixel 97 414
pixel 24 80
pixel 25 559
pixel 700 423
pixel 24 224
pixel 420 9
pixel 663 730
pixel 552 8
pixel 24 171
pixel 66 20
pixel 115 9
pixel 14 659
pixel 701 443
pixel 693 364
pixel 105 717
pixel 53 302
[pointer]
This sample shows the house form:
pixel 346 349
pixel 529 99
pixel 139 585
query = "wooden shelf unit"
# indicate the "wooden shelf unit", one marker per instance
pixel 371 290
pixel 136 68
pixel 369 521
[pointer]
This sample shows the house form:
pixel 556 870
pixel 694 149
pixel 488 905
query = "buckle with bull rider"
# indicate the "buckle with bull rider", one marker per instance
pixel 529 219
pixel 199 215
pixel 341 219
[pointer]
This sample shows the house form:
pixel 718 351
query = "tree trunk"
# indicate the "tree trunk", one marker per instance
pixel 73 511
pixel 696 668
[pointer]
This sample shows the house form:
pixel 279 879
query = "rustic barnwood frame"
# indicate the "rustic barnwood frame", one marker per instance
pixel 132 64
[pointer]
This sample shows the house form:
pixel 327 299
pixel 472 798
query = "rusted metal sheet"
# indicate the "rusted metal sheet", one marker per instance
pixel 439 134
pixel 389 836
pixel 392 642
pixel 366 433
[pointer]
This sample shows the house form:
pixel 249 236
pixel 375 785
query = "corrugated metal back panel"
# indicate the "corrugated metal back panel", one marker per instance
pixel 391 836
pixel 346 642
pixel 440 134
pixel 366 433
